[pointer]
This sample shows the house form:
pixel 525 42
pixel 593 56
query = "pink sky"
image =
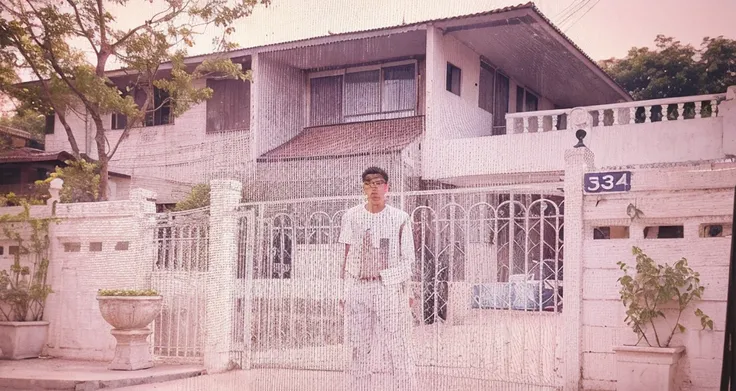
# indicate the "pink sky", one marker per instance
pixel 610 28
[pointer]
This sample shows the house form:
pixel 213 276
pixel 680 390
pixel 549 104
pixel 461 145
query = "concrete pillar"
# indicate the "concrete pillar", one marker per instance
pixel 727 110
pixel 578 161
pixel 221 274
pixel 144 221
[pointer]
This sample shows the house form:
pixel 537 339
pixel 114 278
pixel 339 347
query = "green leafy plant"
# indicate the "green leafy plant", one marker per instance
pixel 198 197
pixel 81 182
pixel 646 293
pixel 127 292
pixel 12 199
pixel 24 289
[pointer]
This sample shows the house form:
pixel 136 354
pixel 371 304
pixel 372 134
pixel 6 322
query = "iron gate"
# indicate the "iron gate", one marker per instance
pixel 487 283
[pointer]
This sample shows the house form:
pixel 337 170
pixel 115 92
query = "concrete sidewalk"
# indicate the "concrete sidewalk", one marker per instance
pixel 60 374
pixel 304 380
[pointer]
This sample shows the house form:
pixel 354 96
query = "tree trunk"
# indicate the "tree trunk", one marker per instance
pixel 102 157
pixel 104 177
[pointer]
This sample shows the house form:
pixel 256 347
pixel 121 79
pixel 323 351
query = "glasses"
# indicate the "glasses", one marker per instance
pixel 376 183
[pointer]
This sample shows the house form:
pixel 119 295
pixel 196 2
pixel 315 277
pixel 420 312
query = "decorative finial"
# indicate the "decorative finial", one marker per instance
pixel 580 135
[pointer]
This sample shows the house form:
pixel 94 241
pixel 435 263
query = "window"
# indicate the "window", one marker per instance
pixel 399 88
pixel 493 96
pixel 664 232
pixel 716 230
pixel 41 174
pixel 526 100
pixel 229 107
pixel 159 112
pixel 10 176
pixel 72 247
pixel 119 121
pixel 326 100
pixel 49 124
pixel 453 79
pixel 363 95
pixel 613 232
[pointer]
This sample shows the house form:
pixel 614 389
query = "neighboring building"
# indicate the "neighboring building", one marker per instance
pixel 21 165
pixel 323 109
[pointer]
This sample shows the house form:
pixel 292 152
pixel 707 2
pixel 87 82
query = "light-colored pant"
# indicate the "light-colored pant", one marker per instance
pixel 376 315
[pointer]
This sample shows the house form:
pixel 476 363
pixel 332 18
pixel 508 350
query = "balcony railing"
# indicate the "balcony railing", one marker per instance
pixel 645 111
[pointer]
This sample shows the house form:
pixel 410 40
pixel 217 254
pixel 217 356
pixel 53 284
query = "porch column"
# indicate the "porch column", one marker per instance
pixel 578 161
pixel 727 110
pixel 221 275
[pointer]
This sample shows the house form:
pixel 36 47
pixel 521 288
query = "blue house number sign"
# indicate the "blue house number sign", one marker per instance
pixel 607 182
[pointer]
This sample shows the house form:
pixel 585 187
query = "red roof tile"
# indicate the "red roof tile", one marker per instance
pixel 27 155
pixel 30 155
pixel 15 132
pixel 349 139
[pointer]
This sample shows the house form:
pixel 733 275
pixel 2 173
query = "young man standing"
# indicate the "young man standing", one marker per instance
pixel 379 254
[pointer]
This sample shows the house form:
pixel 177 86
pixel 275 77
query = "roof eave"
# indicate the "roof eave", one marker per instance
pixel 561 37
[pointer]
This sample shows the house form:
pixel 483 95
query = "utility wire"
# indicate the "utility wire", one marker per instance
pixel 581 16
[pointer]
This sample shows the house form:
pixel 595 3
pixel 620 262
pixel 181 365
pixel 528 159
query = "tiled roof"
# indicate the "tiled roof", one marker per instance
pixel 31 155
pixel 342 35
pixel 27 155
pixel 15 132
pixel 349 139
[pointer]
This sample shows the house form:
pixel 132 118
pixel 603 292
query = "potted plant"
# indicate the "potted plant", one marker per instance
pixel 647 293
pixel 24 287
pixel 130 312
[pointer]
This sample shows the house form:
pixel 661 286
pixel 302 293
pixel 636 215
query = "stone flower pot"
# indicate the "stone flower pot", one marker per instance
pixel 130 316
pixel 19 340
pixel 644 368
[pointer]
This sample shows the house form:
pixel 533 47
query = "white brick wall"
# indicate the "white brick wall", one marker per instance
pixel 167 158
pixel 655 194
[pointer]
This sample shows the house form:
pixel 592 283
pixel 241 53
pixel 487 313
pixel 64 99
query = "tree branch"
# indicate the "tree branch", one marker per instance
pixel 47 91
pixel 148 22
pixel 81 26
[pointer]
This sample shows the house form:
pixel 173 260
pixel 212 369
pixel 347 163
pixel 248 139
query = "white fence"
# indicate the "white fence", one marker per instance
pixel 488 263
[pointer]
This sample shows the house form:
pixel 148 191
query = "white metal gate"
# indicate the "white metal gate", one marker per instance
pixel 487 284
pixel 180 264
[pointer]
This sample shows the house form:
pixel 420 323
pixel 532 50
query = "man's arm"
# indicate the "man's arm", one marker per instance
pixel 345 261
pixel 403 270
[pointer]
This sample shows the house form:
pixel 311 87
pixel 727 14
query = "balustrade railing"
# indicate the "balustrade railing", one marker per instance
pixel 645 111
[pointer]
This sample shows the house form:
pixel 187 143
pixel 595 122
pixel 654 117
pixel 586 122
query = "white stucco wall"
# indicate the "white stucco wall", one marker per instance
pixel 630 144
pixel 281 103
pixel 704 197
pixel 449 115
pixel 182 153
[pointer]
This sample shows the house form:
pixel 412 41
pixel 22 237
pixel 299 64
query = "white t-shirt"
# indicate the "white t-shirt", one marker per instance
pixel 388 232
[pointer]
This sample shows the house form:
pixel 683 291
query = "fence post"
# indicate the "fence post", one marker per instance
pixel 221 274
pixel 727 110
pixel 578 161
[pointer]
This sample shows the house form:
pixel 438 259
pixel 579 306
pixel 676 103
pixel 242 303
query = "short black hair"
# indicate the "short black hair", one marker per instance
pixel 375 170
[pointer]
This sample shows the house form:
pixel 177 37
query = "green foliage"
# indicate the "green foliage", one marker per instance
pixel 199 197
pixel 646 292
pixel 11 199
pixel 672 69
pixel 126 292
pixel 24 289
pixel 81 182
pixel 39 35
pixel 29 120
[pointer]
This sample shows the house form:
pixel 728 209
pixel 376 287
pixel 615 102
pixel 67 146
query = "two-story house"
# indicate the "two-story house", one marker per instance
pixel 406 98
